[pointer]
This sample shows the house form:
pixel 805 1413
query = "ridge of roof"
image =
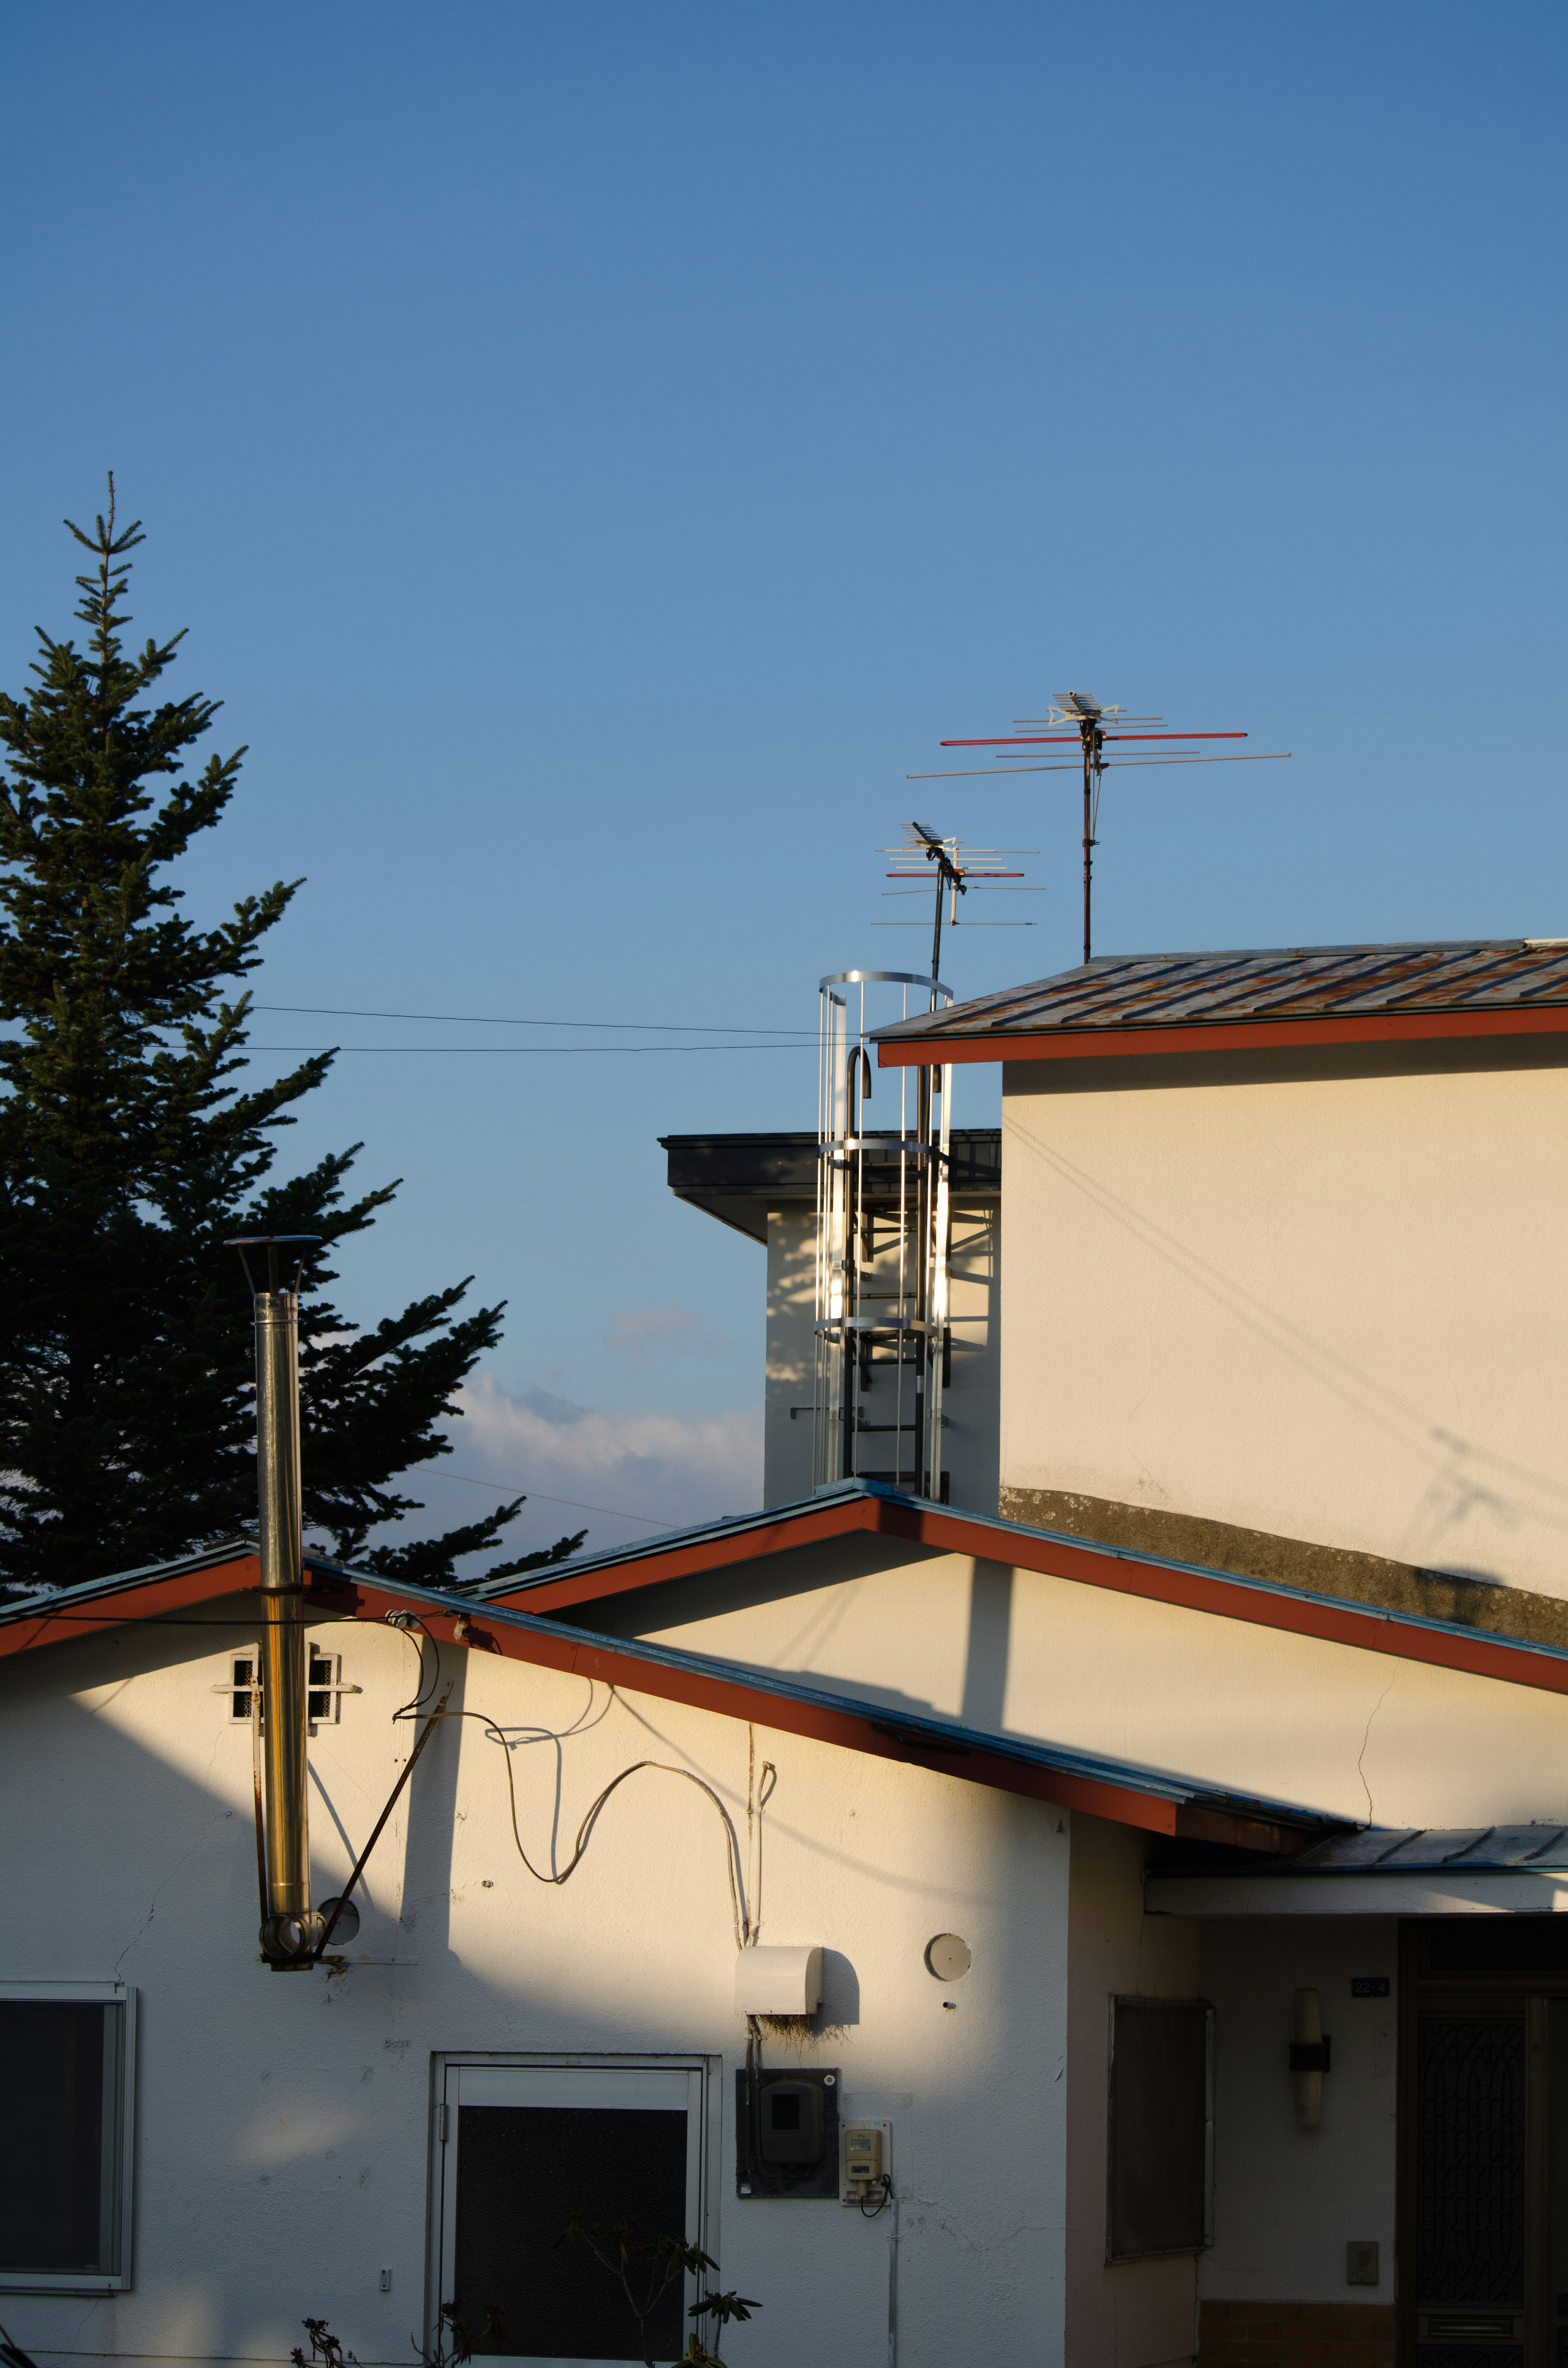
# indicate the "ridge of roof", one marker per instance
pixel 854 1507
pixel 1024 1764
pixel 841 1495
pixel 849 1491
pixel 724 1525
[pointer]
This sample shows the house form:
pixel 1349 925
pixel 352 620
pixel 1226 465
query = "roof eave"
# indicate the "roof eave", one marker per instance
pixel 859 1508
pixel 1125 1794
pixel 934 1049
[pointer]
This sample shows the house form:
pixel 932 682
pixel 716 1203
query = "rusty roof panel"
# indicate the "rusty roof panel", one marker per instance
pixel 1281 983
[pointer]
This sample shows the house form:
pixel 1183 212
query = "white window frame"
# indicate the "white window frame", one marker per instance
pixel 705 2126
pixel 120 2143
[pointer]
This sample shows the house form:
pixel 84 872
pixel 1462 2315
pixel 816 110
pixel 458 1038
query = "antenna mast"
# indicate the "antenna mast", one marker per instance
pixel 978 869
pixel 1090 719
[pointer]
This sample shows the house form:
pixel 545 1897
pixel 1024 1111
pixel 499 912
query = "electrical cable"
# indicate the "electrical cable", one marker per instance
pixel 404 1622
pixel 486 1019
pixel 615 1511
pixel 586 1830
pixel 741 1923
pixel 805 1044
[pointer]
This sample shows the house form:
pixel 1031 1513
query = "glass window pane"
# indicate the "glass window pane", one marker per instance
pixel 54 2164
pixel 522 2170
pixel 1159 2090
pixel 1471 2172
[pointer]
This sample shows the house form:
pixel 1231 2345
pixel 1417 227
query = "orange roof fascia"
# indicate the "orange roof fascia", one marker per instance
pixel 1217 1036
pixel 874 1733
pixel 719 1551
pixel 1325 1618
pixel 877 1733
pixel 147 1600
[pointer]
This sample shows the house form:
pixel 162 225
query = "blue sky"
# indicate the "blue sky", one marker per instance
pixel 600 450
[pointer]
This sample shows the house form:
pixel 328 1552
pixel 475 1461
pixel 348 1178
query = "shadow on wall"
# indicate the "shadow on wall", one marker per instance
pixel 284 2120
pixel 990 1642
pixel 1467 1478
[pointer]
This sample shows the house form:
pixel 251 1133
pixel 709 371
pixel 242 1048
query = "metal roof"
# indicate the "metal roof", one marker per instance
pixel 995 1534
pixel 958 1750
pixel 1118 991
pixel 1425 1849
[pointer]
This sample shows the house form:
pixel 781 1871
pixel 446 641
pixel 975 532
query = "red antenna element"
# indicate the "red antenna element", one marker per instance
pixel 1042 739
pixel 1090 720
pixel 955 871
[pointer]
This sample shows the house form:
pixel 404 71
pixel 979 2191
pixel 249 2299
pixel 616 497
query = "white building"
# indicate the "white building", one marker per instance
pixel 1241 1730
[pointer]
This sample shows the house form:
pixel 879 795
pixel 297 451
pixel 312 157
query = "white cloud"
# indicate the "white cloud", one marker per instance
pixel 673 1469
pixel 638 1329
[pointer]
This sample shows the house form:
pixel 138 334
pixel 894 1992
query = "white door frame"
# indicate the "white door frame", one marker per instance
pixel 705 2111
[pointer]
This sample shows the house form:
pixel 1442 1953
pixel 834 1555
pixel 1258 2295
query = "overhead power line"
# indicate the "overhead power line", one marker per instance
pixel 577 1051
pixel 470 1481
pixel 488 1020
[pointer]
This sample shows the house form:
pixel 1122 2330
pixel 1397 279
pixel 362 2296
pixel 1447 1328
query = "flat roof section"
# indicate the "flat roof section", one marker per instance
pixel 738 1178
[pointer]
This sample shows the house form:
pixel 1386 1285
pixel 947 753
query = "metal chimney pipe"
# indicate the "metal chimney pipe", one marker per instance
pixel 291 1930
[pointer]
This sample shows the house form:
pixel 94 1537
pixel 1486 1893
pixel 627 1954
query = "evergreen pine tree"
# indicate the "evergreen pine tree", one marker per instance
pixel 127 1158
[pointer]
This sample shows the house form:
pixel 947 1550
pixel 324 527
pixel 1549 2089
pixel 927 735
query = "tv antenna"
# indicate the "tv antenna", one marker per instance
pixel 1089 719
pixel 955 871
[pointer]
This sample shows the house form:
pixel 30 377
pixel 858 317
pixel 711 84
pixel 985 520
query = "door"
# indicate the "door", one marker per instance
pixel 526 2150
pixel 1484 2106
pixel 1472 2217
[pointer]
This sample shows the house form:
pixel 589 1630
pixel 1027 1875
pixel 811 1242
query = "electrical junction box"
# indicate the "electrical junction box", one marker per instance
pixel 787 2135
pixel 865 2160
pixel 778 1981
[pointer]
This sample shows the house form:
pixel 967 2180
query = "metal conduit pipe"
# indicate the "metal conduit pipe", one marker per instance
pixel 292 1929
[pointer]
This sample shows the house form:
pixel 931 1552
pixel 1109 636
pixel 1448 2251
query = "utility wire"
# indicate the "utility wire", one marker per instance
pixel 486 1019
pixel 471 1481
pixel 806 1045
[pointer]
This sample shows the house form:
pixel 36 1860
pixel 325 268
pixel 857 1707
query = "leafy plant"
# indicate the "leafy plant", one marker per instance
pixel 646 2271
pixel 453 2347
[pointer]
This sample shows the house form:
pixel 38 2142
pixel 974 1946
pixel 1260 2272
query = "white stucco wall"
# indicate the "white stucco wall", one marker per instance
pixel 1331 1308
pixel 283 2126
pixel 1127 2314
pixel 1360 1735
pixel 1287 2200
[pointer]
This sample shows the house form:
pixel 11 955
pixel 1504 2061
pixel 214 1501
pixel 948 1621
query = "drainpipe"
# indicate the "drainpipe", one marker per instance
pixel 292 1929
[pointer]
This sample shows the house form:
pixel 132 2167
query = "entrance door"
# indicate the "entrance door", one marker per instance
pixel 1484 2107
pixel 524 2148
pixel 1471 2218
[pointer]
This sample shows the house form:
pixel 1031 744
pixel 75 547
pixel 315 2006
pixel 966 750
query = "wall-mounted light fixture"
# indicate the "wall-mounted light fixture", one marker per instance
pixel 1309 2058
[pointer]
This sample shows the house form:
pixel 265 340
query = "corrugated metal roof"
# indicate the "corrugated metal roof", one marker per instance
pixel 1278 983
pixel 610 1559
pixel 949 1739
pixel 1416 1850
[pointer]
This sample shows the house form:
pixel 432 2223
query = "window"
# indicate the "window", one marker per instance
pixel 67 2068
pixel 1161 2137
pixel 324 1677
pixel 521 2146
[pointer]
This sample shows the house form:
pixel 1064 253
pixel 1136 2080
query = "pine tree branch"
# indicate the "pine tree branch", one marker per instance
pixel 131 1149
